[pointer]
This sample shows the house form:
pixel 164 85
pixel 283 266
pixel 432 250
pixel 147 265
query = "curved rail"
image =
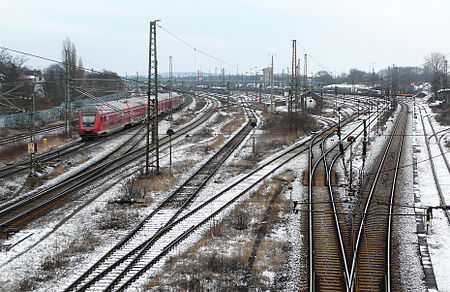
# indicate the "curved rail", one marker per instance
pixel 367 205
pixel 86 176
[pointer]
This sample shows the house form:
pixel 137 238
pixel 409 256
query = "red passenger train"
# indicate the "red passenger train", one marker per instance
pixel 101 119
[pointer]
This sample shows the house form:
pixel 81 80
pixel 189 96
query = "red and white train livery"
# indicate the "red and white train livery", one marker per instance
pixel 101 119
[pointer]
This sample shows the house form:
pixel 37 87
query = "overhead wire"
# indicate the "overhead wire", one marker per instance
pixel 196 49
pixel 74 66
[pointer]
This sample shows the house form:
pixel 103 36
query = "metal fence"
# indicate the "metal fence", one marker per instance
pixel 53 114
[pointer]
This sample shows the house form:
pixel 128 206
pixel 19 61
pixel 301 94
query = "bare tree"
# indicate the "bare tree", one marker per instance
pixel 434 68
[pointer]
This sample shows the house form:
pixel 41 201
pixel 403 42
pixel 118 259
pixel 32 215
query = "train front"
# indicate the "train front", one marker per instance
pixel 89 125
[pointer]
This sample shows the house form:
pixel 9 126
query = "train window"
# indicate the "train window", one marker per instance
pixel 88 118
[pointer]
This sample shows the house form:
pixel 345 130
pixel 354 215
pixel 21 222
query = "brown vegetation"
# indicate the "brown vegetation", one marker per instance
pixel 183 166
pixel 58 170
pixel 53 264
pixel 116 217
pixel 219 260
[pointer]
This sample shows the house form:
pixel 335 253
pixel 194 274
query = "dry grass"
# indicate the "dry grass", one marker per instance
pixel 19 150
pixel 219 259
pixel 242 164
pixel 232 125
pixel 270 255
pixel 185 117
pixel 52 265
pixel 286 176
pixel 217 142
pixel 81 161
pixel 5 132
pixel 156 183
pixel 58 170
pixel 183 166
pixel 236 121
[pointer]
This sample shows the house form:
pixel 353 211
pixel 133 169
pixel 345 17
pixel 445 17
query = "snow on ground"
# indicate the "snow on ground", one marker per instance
pixel 439 237
pixel 59 237
pixel 411 273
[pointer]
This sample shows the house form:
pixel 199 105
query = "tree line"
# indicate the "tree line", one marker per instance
pixel 433 71
pixel 49 85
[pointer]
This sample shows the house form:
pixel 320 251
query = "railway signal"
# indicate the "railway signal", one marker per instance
pixel 170 132
pixel 351 139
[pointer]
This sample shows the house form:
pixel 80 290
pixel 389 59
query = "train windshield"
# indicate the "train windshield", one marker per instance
pixel 88 119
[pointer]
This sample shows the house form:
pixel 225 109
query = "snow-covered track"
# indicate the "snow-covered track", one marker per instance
pixel 19 213
pixel 371 262
pixel 328 252
pixel 137 241
pixel 435 157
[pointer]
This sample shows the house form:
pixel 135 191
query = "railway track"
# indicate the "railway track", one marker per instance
pixel 371 261
pixel 20 137
pixel 24 164
pixel 131 249
pixel 328 251
pixel 120 272
pixel 19 213
pixel 437 158
pixel 16 214
pixel 67 149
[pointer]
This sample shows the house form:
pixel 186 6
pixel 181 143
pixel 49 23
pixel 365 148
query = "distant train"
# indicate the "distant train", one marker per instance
pixel 104 118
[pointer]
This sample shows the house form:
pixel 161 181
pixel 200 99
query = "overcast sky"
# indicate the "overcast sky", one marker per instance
pixel 337 35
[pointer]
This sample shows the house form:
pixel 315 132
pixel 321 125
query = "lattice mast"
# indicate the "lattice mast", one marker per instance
pixel 305 72
pixel 67 92
pixel 170 84
pixel 152 100
pixel 293 91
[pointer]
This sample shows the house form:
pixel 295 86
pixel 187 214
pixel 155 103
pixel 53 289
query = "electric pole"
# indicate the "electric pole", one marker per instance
pixel 305 71
pixel 445 73
pixel 67 93
pixel 293 91
pixel 32 149
pixel 271 87
pixel 170 85
pixel 223 77
pixel 152 91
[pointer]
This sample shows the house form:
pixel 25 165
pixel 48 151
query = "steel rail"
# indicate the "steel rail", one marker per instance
pixel 91 174
pixel 433 168
pixel 391 210
pixel 212 199
pixel 366 208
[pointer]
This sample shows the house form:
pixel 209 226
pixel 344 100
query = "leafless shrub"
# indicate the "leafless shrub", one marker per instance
pixel 443 118
pixel 27 284
pixel 53 262
pixel 133 190
pixel 199 104
pixel 116 218
pixel 239 219
pixel 83 244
